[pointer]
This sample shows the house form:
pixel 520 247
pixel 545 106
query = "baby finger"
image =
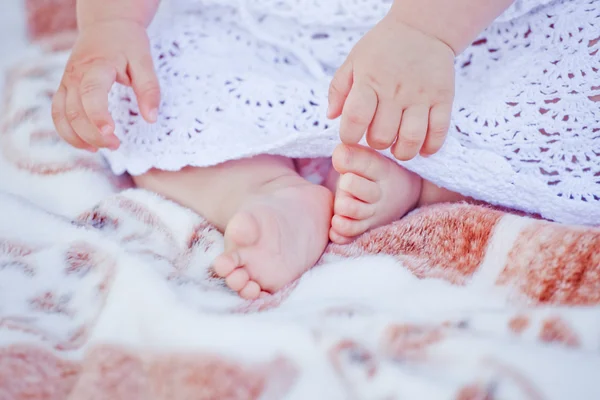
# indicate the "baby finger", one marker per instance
pixel 384 129
pixel 80 122
pixel 439 123
pixel 95 86
pixel 358 113
pixel 412 132
pixel 62 125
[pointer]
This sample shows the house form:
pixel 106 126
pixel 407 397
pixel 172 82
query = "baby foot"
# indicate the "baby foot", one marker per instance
pixel 372 191
pixel 278 234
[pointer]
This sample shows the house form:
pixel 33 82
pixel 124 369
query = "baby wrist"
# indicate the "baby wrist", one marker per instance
pixel 94 12
pixel 427 26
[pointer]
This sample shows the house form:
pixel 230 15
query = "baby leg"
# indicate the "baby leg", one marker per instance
pixel 275 222
pixel 371 191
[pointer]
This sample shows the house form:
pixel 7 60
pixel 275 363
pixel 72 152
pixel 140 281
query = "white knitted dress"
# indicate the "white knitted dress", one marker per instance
pixel 247 77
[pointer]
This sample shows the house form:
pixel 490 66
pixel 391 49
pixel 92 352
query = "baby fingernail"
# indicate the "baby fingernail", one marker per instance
pixel 153 115
pixel 113 144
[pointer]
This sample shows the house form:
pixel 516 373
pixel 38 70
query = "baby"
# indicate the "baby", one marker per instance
pixel 395 89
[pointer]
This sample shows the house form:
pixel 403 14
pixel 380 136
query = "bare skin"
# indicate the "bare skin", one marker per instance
pixel 275 222
pixel 403 101
pixel 372 190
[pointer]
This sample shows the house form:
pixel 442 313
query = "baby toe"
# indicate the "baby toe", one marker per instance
pixel 238 279
pixel 350 207
pixel 336 238
pixel 226 263
pixel 251 291
pixel 359 160
pixel 242 231
pixel 360 187
pixel 348 227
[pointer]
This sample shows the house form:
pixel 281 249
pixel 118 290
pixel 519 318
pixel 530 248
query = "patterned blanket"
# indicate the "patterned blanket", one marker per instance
pixel 106 292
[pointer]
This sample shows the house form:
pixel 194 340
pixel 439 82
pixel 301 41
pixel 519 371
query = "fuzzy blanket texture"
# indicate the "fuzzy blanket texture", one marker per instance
pixel 106 292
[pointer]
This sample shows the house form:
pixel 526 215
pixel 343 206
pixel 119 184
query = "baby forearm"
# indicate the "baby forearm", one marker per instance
pixel 94 11
pixel 455 22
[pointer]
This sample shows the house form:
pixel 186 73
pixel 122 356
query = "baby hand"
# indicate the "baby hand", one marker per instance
pixel 397 85
pixel 105 53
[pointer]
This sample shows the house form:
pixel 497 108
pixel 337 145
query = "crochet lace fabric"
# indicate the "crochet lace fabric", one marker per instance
pixel 241 78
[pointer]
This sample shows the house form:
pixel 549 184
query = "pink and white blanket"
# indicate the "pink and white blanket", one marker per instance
pixel 106 292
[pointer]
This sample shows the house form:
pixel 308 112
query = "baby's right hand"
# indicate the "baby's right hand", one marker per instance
pixel 105 53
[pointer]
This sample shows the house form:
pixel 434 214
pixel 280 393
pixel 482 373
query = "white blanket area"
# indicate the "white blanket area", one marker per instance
pixel 12 34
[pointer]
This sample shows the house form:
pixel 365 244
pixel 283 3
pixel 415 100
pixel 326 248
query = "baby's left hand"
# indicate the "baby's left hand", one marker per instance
pixel 397 85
